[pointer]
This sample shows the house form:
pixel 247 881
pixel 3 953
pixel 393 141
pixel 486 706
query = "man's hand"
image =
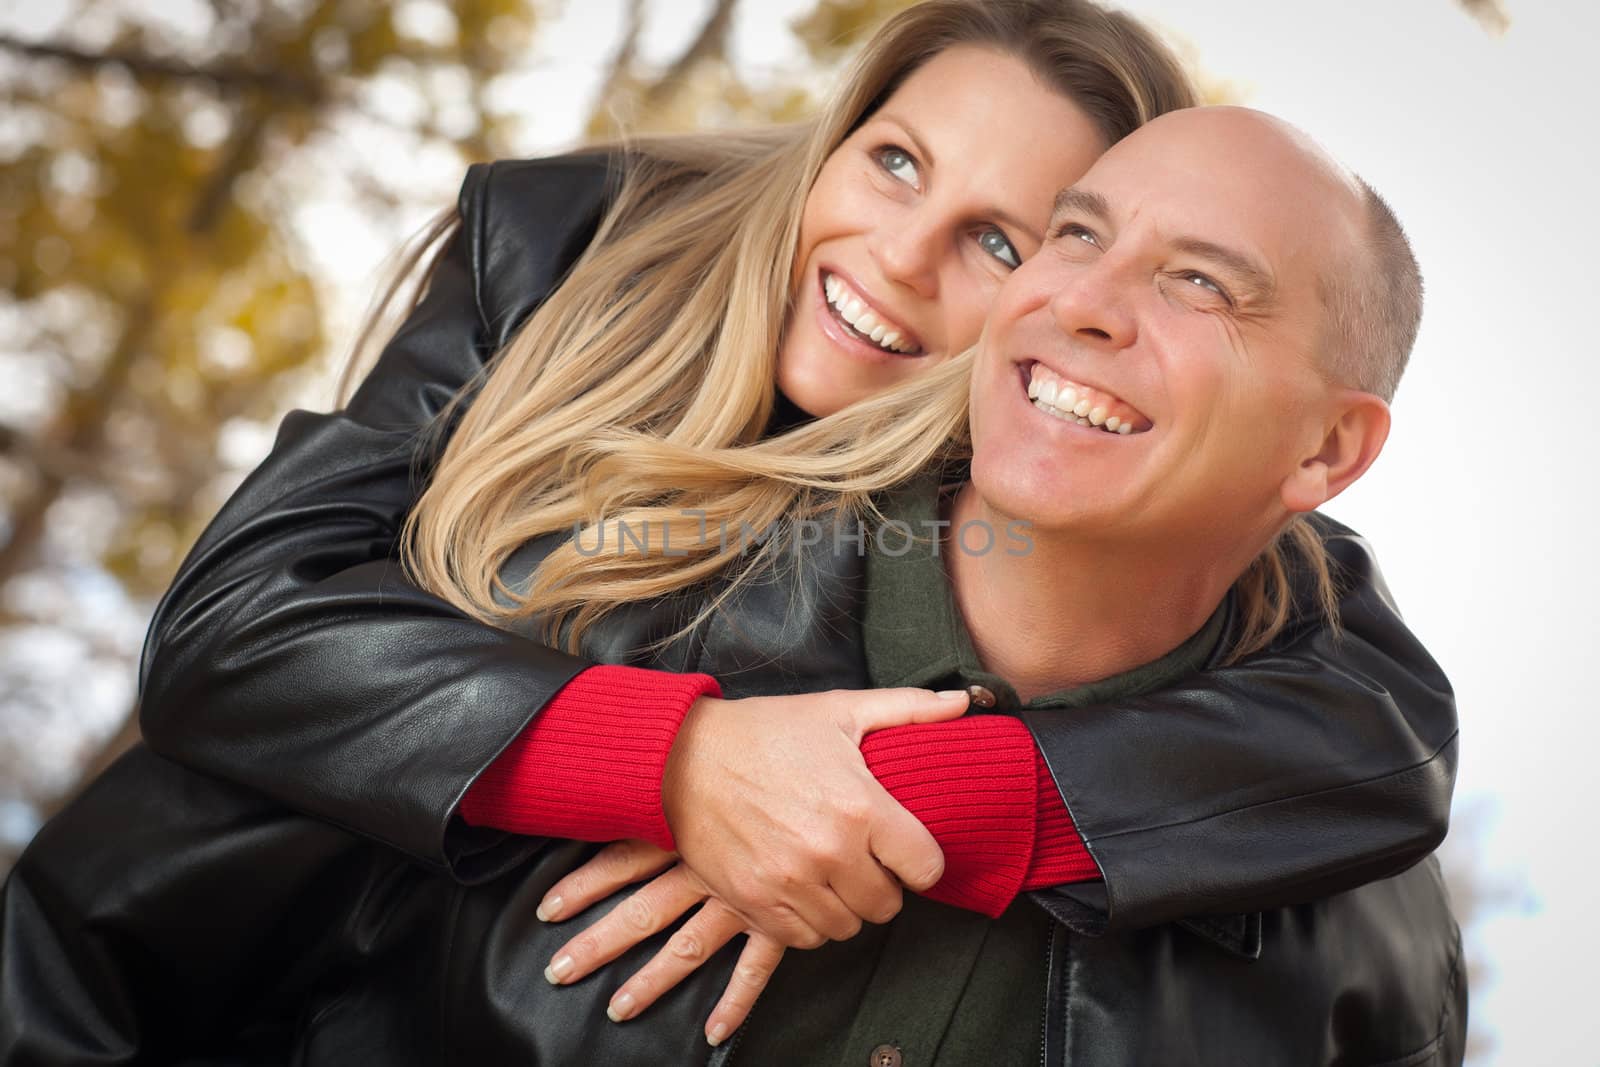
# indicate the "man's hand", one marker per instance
pixel 650 909
pixel 774 809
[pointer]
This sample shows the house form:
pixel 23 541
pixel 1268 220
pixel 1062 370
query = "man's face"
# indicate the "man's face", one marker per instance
pixel 1175 307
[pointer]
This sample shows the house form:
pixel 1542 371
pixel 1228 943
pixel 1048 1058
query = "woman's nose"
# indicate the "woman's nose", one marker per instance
pixel 907 252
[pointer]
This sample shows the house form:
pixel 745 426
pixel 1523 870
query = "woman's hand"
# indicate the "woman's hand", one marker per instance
pixel 650 909
pixel 773 807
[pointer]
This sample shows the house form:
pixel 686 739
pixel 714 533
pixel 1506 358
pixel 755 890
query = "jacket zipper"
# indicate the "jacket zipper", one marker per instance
pixel 1049 984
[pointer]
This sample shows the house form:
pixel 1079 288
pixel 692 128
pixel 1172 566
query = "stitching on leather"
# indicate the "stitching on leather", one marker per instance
pixel 480 216
pixel 1427 1051
pixel 447 954
pixel 1430 761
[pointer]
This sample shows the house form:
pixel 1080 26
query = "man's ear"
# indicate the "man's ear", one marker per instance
pixel 1351 441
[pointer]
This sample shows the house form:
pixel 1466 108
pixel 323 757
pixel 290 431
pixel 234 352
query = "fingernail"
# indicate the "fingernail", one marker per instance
pixel 952 694
pixel 718 1032
pixel 548 909
pixel 621 1008
pixel 558 969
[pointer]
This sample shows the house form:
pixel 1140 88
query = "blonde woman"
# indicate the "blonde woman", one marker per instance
pixel 687 292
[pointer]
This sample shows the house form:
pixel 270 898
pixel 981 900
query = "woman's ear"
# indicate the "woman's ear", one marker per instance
pixel 1352 440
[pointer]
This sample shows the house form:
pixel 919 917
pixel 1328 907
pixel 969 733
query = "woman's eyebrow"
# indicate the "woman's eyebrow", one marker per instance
pixel 911 131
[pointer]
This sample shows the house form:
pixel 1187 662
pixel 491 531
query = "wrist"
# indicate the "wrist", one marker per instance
pixel 677 785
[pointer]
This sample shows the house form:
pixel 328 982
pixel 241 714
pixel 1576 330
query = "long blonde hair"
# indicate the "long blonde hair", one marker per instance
pixel 636 396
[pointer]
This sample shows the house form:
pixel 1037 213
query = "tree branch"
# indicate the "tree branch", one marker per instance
pixel 712 40
pixel 622 61
pixel 144 65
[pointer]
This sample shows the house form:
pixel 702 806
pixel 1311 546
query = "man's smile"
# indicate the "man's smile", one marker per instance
pixel 1076 402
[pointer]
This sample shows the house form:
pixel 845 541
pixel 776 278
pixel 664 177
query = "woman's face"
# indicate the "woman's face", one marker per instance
pixel 916 219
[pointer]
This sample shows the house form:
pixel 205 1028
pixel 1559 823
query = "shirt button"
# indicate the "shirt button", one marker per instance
pixel 981 696
pixel 885 1056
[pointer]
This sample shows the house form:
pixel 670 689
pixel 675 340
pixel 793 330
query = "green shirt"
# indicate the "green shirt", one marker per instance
pixel 943 985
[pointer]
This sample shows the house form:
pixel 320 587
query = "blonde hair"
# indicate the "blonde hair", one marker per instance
pixel 636 396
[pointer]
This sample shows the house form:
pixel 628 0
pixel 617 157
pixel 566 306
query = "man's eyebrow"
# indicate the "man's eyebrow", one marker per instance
pixel 1082 201
pixel 1253 281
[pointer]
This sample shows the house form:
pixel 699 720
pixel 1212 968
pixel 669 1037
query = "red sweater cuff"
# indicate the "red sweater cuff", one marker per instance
pixel 589 766
pixel 1059 854
pixel 971 782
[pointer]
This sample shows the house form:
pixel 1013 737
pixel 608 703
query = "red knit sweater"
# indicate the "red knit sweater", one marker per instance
pixel 978 783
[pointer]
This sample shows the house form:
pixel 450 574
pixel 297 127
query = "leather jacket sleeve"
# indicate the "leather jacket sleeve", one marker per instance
pixel 1317 765
pixel 291 654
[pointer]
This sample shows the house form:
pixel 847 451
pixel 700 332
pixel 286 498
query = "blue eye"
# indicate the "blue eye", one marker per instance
pixel 1072 229
pixel 898 162
pixel 997 245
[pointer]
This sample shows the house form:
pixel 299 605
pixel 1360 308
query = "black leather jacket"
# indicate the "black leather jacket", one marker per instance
pixel 1232 817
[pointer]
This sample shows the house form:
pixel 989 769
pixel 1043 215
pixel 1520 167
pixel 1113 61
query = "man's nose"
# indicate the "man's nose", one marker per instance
pixel 1091 305
pixel 907 251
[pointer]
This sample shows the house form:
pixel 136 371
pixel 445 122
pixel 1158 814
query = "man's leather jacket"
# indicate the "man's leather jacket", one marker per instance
pixel 1237 818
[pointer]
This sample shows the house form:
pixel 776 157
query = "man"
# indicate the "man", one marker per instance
pixel 1182 287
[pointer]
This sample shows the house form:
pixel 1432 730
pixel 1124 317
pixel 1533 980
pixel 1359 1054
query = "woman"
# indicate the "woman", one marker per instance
pixel 273 661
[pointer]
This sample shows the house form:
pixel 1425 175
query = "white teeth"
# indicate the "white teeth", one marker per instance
pixel 1072 403
pixel 860 317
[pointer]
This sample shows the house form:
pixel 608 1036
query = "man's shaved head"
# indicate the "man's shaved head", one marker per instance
pixel 1372 289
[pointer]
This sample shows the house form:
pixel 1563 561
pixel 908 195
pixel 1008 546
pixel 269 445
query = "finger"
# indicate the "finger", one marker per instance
pixel 757 962
pixel 878 709
pixel 821 910
pixel 694 942
pixel 905 846
pixel 619 864
pixel 783 923
pixel 868 890
pixel 647 910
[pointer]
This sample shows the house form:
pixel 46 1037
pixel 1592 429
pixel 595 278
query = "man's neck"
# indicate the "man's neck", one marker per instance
pixel 1068 612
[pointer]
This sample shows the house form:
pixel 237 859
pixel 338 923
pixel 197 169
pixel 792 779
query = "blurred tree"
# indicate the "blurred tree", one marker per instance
pixel 153 296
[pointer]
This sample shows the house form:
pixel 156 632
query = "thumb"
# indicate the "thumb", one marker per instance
pixel 878 709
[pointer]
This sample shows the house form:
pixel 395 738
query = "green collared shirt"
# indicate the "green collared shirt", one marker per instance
pixel 940 985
